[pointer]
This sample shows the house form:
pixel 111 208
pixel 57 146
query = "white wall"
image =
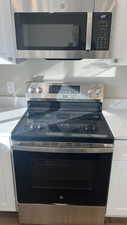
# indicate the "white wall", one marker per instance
pixel 114 78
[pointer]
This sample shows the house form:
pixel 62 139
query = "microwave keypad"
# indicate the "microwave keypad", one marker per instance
pixel 101 31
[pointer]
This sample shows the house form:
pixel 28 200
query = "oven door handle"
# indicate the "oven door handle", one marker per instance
pixel 89 31
pixel 107 148
pixel 60 204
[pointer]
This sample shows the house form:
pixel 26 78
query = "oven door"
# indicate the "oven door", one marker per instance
pixel 62 178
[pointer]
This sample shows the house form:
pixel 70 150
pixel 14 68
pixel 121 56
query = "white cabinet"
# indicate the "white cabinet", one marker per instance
pixel 119 33
pixel 120 150
pixel 117 198
pixel 7 49
pixel 7 197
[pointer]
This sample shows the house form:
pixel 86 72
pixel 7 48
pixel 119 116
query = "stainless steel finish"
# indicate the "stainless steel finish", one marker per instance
pixel 64 6
pixel 53 5
pixel 60 214
pixel 89 31
pixel 75 54
pixel 50 144
pixel 87 91
pixel 63 147
pixel 104 5
pixel 14 179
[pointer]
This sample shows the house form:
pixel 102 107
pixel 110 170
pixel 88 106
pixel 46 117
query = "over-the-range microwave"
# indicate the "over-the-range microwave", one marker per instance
pixel 63 29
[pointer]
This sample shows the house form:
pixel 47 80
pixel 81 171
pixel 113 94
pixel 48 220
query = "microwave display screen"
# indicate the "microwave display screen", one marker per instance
pixel 57 35
pixel 55 89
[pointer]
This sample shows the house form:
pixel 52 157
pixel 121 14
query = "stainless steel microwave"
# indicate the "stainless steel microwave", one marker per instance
pixel 63 29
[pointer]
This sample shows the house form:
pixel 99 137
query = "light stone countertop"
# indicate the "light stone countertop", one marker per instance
pixel 115 112
pixel 11 110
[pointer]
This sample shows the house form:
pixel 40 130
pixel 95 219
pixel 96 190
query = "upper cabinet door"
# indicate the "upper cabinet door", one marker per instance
pixel 6 33
pixel 119 33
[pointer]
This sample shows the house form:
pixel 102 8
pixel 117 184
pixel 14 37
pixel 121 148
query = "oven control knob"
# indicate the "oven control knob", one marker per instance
pixel 86 128
pixel 39 126
pixel 38 90
pixel 90 91
pixel 31 90
pixel 98 92
pixel 32 126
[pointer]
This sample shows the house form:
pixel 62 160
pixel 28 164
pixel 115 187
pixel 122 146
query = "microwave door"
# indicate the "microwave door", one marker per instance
pixel 40 34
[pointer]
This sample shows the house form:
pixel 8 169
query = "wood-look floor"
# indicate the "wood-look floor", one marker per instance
pixel 12 219
pixel 8 219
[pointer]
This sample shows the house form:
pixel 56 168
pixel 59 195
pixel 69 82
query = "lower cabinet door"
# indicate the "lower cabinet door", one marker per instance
pixel 117 198
pixel 7 197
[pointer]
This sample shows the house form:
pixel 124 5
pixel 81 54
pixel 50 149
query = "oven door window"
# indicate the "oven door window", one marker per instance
pixel 77 179
pixel 46 31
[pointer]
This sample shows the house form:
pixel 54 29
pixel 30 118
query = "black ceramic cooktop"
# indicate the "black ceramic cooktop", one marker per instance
pixel 64 126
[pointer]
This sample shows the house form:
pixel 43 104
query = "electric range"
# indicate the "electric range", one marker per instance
pixel 62 153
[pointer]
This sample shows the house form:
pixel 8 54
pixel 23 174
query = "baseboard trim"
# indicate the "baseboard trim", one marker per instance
pixel 115 220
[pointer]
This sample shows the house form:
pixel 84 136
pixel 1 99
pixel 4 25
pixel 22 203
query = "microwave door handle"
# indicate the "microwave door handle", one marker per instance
pixel 89 31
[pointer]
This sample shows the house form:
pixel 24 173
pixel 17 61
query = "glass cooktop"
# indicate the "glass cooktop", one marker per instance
pixel 63 125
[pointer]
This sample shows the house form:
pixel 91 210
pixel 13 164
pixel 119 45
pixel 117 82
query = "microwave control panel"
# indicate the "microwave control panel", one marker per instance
pixel 101 30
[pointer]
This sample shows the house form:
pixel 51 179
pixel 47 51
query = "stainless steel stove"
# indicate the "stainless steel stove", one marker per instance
pixel 62 150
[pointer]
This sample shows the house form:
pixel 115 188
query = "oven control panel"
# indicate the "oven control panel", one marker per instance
pixel 55 90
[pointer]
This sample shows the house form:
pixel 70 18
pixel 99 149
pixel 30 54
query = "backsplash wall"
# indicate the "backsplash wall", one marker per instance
pixel 85 71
